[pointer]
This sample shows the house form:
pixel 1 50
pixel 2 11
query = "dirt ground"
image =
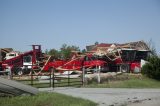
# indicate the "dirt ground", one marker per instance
pixel 113 96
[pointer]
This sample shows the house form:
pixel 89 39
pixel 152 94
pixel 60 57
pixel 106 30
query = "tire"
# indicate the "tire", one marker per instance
pixel 18 71
pixel 124 68
pixel 26 71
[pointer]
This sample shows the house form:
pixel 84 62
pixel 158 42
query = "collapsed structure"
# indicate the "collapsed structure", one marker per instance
pixel 39 62
pixel 124 57
pixel 109 57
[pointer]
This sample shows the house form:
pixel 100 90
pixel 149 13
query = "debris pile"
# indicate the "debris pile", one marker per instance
pixel 117 54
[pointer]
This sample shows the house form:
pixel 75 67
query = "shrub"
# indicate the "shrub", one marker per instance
pixel 152 68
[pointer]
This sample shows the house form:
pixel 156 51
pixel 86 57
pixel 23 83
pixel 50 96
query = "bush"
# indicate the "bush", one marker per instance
pixel 152 68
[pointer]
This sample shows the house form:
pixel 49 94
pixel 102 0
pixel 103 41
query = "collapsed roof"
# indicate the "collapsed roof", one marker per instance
pixel 139 45
pixel 114 51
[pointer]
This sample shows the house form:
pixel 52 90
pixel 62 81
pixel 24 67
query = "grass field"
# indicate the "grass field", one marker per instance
pixel 45 99
pixel 127 81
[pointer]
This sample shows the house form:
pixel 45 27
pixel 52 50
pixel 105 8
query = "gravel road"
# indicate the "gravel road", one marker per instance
pixel 113 96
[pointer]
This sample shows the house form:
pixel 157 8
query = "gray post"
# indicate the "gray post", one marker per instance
pixel 9 73
pixel 83 76
pixel 98 74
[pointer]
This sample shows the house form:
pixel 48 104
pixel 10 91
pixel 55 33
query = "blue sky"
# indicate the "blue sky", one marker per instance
pixel 52 23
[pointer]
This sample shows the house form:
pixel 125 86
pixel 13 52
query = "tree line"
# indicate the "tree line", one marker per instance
pixel 65 51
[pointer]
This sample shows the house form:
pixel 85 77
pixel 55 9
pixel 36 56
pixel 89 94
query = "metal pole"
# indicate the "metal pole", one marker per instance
pixel 53 84
pixel 50 78
pixel 68 79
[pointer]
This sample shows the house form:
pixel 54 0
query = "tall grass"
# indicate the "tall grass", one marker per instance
pixel 45 99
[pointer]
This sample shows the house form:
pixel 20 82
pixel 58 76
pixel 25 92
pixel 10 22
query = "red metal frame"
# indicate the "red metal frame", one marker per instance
pixel 18 60
pixel 73 64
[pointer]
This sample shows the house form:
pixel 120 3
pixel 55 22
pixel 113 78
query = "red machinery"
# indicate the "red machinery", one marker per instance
pixel 123 59
pixel 18 63
pixel 87 61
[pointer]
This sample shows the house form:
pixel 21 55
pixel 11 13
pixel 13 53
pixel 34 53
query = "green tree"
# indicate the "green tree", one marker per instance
pixel 84 51
pixel 152 68
pixel 96 43
pixel 151 46
pixel 54 53
pixel 67 50
pixel 46 51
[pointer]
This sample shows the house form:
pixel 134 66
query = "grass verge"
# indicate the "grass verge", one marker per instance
pixel 127 81
pixel 45 99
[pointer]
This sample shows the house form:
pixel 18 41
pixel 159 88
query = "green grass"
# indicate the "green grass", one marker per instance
pixel 127 81
pixel 45 99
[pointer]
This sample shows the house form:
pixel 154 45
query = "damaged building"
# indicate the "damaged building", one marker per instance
pixel 3 52
pixel 124 57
